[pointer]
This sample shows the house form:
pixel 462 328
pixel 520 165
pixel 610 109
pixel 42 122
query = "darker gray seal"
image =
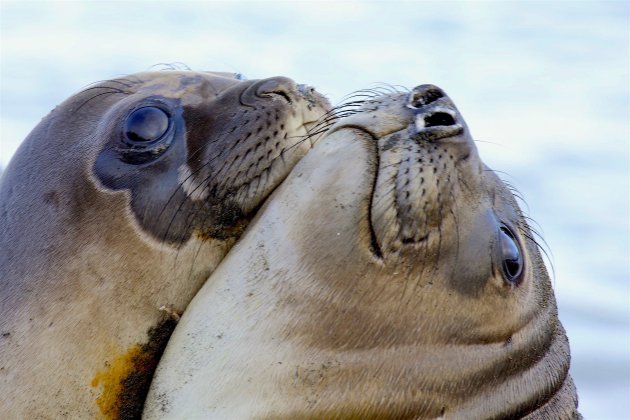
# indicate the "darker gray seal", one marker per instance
pixel 114 211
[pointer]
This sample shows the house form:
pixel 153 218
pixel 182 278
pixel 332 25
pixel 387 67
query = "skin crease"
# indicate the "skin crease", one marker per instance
pixel 103 244
pixel 370 285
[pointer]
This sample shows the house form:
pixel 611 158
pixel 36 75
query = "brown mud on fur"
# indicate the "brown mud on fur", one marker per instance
pixel 224 232
pixel 126 379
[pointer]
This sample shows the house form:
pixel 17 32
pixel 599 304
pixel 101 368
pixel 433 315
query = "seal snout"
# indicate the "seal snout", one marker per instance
pixel 280 86
pixel 436 114
pixel 419 169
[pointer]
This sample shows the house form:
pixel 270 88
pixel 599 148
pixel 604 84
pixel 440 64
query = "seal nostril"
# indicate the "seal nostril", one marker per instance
pixel 278 86
pixel 439 119
pixel 425 94
pixel 432 95
pixel 283 95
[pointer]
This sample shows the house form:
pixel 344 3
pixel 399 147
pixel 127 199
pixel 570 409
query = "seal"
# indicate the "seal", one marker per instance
pixel 391 275
pixel 114 211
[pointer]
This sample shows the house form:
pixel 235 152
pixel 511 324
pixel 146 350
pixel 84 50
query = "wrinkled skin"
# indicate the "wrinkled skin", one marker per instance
pixel 372 284
pixel 107 233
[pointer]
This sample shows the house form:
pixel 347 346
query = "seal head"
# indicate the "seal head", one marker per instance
pixel 114 211
pixel 392 275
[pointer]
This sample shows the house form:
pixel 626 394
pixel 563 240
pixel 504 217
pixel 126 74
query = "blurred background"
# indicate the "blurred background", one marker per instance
pixel 544 87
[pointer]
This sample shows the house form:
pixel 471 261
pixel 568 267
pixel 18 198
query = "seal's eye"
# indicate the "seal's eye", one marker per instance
pixel 146 124
pixel 511 256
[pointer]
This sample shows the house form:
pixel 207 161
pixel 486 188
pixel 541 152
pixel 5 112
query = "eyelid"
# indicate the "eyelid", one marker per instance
pixel 507 233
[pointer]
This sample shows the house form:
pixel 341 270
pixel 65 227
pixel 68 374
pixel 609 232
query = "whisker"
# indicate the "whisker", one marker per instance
pixel 97 95
pixel 489 142
pixel 91 85
pixel 543 250
pixel 166 67
pixel 388 86
pixel 192 264
pixel 113 89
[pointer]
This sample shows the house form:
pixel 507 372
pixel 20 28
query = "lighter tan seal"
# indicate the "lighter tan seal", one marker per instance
pixel 392 275
pixel 114 211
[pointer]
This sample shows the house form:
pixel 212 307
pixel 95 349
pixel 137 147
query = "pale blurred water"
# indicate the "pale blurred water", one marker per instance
pixel 544 86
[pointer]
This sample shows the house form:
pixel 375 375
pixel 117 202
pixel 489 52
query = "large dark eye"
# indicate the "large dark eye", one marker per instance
pixel 511 255
pixel 146 124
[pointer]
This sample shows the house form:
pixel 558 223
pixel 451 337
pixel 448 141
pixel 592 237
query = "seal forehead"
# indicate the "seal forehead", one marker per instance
pixel 191 88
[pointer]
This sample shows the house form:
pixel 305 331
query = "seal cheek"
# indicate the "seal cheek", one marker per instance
pixel 191 185
pixel 473 266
